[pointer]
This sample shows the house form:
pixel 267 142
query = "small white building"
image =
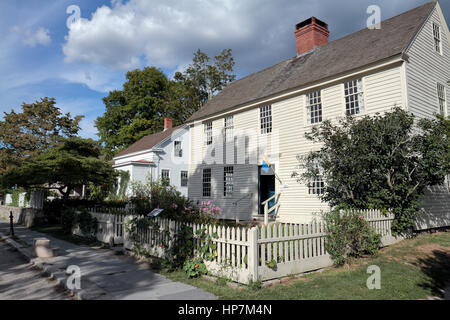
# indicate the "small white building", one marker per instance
pixel 163 155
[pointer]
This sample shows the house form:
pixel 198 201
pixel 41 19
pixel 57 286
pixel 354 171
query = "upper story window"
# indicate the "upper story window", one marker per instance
pixel 184 178
pixel 354 98
pixel 437 38
pixel 316 186
pixel 314 107
pixel 265 116
pixel 228 127
pixel 228 181
pixel 206 182
pixel 442 100
pixel 207 130
pixel 165 177
pixel 177 149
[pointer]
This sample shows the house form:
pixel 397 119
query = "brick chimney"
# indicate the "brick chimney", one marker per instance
pixel 310 34
pixel 167 123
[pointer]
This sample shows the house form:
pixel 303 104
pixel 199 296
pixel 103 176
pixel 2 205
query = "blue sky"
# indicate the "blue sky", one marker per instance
pixel 40 56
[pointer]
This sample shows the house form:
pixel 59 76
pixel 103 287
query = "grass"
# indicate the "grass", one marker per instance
pixel 57 232
pixel 412 269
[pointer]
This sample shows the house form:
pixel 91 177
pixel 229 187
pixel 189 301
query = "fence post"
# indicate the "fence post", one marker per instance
pixel 110 229
pixel 172 232
pixel 253 253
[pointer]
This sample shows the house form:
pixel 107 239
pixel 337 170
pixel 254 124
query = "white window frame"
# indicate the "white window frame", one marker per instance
pixel 442 99
pixel 350 93
pixel 207 132
pixel 181 178
pixel 265 119
pixel 180 150
pixel 435 26
pixel 228 183
pixel 318 103
pixel 316 185
pixel 162 178
pixel 206 182
pixel 228 127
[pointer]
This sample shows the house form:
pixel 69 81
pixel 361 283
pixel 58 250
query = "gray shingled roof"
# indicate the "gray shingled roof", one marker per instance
pixel 148 142
pixel 356 50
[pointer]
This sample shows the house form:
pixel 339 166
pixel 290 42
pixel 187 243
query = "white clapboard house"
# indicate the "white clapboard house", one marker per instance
pixel 405 63
pixel 163 155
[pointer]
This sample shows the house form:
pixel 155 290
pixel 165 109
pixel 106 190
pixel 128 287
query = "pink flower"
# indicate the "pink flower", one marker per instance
pixel 209 203
pixel 205 209
pixel 360 217
pixel 175 206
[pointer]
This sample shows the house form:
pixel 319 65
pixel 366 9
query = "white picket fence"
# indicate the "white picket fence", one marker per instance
pixel 243 254
pixel 110 227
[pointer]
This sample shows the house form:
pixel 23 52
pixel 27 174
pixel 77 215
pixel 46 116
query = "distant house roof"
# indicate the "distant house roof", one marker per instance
pixel 148 142
pixel 356 50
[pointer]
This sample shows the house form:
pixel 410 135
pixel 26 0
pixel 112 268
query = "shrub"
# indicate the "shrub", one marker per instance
pixel 68 220
pixel 195 268
pixel 349 235
pixel 88 225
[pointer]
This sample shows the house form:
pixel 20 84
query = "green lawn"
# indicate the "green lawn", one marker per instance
pixel 412 269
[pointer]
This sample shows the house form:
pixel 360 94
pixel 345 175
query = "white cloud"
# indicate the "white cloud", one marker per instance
pixel 165 33
pixel 40 36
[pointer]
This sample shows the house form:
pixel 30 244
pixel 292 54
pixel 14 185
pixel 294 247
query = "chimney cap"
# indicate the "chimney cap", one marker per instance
pixel 309 21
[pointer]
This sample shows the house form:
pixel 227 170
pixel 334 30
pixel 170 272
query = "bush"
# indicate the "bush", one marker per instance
pixel 87 224
pixel 68 220
pixel 53 209
pixel 349 235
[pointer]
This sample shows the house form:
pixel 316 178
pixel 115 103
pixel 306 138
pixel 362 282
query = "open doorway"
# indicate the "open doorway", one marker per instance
pixel 266 187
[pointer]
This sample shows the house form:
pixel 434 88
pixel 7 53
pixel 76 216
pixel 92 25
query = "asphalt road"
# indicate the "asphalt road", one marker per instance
pixel 19 281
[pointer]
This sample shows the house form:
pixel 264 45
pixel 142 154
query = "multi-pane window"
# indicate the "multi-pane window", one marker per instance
pixel 165 177
pixel 265 116
pixel 228 127
pixel 314 107
pixel 437 37
pixel 177 149
pixel 441 97
pixel 184 178
pixel 354 98
pixel 228 181
pixel 207 130
pixel 206 182
pixel 316 185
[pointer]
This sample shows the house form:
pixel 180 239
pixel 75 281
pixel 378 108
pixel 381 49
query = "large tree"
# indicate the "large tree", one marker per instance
pixel 205 77
pixel 71 163
pixel 382 161
pixel 148 96
pixel 39 126
pixel 135 111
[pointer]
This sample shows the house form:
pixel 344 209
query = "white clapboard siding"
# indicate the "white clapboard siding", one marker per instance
pixel 426 67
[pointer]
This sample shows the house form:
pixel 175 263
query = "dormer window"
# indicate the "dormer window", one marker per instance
pixel 437 38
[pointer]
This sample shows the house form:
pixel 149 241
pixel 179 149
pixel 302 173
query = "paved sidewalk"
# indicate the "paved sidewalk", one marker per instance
pixel 106 275
pixel 20 281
